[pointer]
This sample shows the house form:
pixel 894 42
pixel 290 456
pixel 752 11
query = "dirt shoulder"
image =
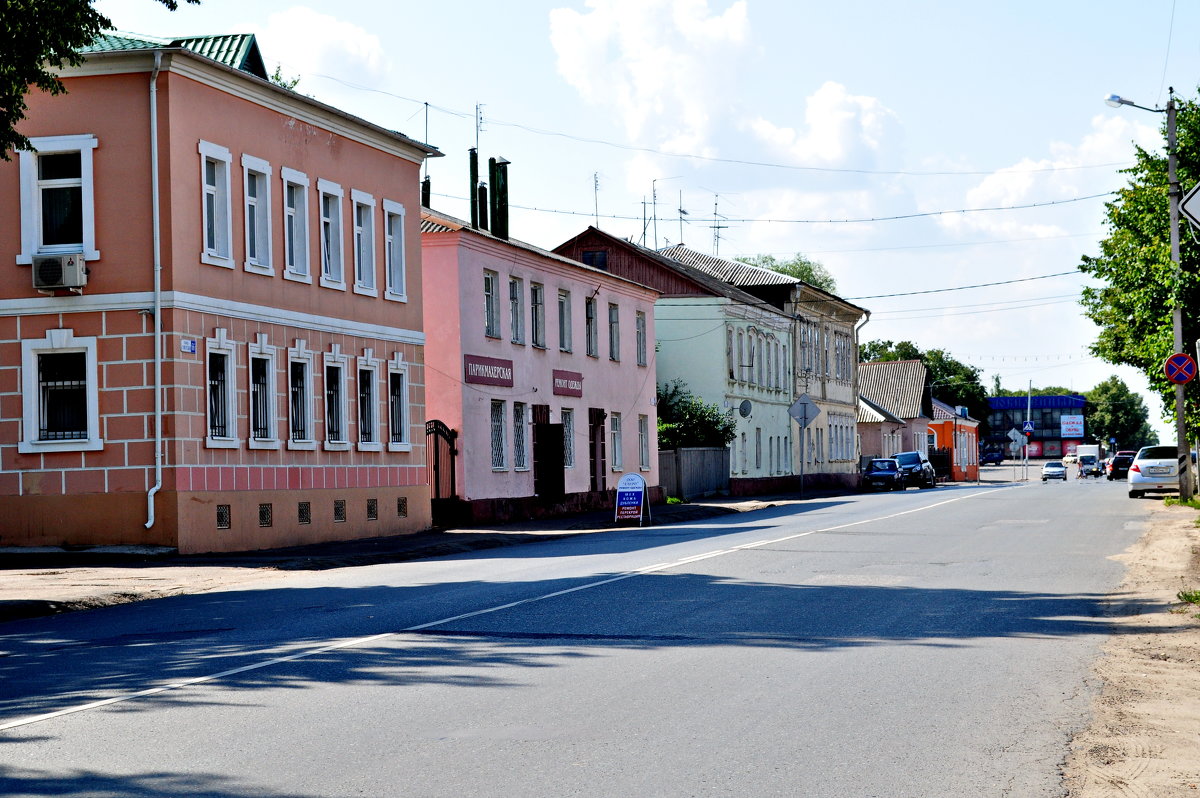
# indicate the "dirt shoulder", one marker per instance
pixel 1144 738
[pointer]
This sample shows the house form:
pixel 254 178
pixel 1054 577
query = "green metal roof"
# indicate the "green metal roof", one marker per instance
pixel 237 50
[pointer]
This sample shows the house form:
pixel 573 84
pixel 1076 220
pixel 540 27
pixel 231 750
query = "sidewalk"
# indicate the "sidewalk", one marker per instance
pixel 45 581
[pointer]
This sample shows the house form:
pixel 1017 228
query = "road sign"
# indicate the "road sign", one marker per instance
pixel 1016 437
pixel 804 410
pixel 1189 206
pixel 1027 426
pixel 1180 368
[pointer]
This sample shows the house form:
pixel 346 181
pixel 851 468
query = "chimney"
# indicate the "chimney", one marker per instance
pixel 426 191
pixel 498 177
pixel 480 207
pixel 473 193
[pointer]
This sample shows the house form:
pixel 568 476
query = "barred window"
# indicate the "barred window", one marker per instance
pixel 366 406
pixel 397 395
pixel 218 395
pixel 520 451
pixel 62 382
pixel 335 417
pixel 498 424
pixel 298 400
pixel 568 425
pixel 260 398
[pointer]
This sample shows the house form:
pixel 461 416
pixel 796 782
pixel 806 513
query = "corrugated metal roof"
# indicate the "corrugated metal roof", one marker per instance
pixel 895 385
pixel 237 50
pixel 942 411
pixel 871 413
pixel 731 271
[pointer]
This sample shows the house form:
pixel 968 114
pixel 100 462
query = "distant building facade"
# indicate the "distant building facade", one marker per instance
pixel 1058 423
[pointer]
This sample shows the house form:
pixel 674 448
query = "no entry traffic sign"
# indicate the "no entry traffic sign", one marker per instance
pixel 1180 368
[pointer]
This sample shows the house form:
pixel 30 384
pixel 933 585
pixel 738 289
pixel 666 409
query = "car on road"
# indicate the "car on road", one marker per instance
pixel 994 457
pixel 1155 469
pixel 1118 465
pixel 883 473
pixel 1069 459
pixel 1089 466
pixel 917 469
pixel 1054 469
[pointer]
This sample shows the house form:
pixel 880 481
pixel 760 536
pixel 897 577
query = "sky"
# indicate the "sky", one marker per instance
pixel 907 147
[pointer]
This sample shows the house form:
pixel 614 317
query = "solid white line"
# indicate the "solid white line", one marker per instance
pixel 358 641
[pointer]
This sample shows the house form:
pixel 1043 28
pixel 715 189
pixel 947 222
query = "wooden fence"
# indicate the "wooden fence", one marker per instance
pixel 688 473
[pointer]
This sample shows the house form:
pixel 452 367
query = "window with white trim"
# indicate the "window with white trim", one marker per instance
pixel 568 424
pixel 516 309
pixel 640 328
pixel 399 437
pixel 520 450
pixel 644 442
pixel 491 304
pixel 263 420
pixel 395 265
pixel 591 327
pixel 336 366
pixel 216 217
pixel 330 210
pixel 60 394
pixel 295 225
pixel 256 179
pixel 498 424
pixel 220 361
pixel 57 197
pixel 364 242
pixel 564 321
pixel 537 313
pixel 368 402
pixel 614 430
pixel 300 393
pixel 614 332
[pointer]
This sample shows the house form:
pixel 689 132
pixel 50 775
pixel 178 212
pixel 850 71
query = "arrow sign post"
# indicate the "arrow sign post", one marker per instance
pixel 804 410
pixel 1180 368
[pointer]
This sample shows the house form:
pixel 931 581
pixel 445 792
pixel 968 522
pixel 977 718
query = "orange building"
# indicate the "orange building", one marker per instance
pixel 211 317
pixel 953 431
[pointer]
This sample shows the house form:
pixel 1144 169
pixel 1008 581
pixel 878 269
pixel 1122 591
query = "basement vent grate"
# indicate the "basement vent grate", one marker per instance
pixel 224 516
pixel 304 512
pixel 339 511
pixel 265 511
pixel 372 509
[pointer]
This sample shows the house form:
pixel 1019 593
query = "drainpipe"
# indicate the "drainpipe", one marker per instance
pixel 857 339
pixel 157 312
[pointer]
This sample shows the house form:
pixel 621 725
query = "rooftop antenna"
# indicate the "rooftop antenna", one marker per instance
pixel 682 213
pixel 425 162
pixel 717 227
pixel 596 196
pixel 654 204
pixel 478 122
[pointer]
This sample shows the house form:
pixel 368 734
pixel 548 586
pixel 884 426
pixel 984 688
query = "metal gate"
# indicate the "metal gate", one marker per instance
pixel 440 452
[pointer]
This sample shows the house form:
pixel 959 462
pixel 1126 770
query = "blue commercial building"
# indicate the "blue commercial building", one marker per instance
pixel 1057 423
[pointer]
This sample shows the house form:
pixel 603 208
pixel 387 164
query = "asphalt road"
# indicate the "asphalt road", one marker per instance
pixel 930 643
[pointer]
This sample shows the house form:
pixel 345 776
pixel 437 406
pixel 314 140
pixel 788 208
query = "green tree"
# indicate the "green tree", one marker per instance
pixel 685 420
pixel 950 381
pixel 1140 285
pixel 279 80
pixel 37 37
pixel 1114 411
pixel 799 266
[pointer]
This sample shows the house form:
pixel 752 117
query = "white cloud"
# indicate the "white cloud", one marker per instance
pixel 660 64
pixel 841 130
pixel 311 43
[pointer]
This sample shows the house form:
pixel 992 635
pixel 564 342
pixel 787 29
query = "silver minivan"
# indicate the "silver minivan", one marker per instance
pixel 1155 469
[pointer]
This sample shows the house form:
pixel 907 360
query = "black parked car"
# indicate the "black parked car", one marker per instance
pixel 994 457
pixel 917 469
pixel 883 474
pixel 1118 467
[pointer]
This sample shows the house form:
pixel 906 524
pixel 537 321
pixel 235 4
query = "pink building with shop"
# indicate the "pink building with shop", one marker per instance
pixel 540 368
pixel 211 313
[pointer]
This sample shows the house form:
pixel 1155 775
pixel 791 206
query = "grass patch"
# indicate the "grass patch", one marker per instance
pixel 674 500
pixel 1172 501
pixel 1189 596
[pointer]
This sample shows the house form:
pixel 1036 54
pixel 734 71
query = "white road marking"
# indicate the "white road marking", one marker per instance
pixel 358 641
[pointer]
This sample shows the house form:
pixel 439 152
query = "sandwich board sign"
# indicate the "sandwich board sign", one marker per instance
pixel 631 499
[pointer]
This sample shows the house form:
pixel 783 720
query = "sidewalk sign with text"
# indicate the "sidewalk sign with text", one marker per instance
pixel 631 499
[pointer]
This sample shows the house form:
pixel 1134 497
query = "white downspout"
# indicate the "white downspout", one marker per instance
pixel 158 353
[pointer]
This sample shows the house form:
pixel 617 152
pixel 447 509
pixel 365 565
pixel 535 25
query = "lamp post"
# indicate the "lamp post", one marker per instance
pixel 1181 440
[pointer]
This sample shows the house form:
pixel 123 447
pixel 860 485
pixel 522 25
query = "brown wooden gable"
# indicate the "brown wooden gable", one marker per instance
pixel 633 263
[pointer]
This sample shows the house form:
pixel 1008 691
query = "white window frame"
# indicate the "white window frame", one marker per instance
pixel 395 258
pixel 616 456
pixel 565 342
pixel 257 173
pixel 614 332
pixel 516 309
pixel 332 243
pixel 644 442
pixel 221 251
pixel 491 304
pixel 641 330
pixel 520 436
pixel 221 345
pixel 302 355
pixel 537 315
pixel 31 204
pixel 58 341
pixel 336 359
pixel 591 326
pixel 397 366
pixel 295 226
pixel 371 365
pixel 362 219
pixel 567 417
pixel 259 349
pixel 498 426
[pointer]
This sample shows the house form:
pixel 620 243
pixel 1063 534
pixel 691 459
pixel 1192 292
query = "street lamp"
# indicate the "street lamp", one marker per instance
pixel 1181 440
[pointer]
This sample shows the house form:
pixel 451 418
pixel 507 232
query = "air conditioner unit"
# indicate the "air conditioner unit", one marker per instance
pixel 59 271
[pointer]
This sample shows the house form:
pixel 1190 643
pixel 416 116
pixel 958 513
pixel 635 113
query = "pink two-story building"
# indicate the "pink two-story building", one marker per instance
pixel 211 311
pixel 540 368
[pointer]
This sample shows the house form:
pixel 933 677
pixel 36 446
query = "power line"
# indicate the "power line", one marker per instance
pixel 960 288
